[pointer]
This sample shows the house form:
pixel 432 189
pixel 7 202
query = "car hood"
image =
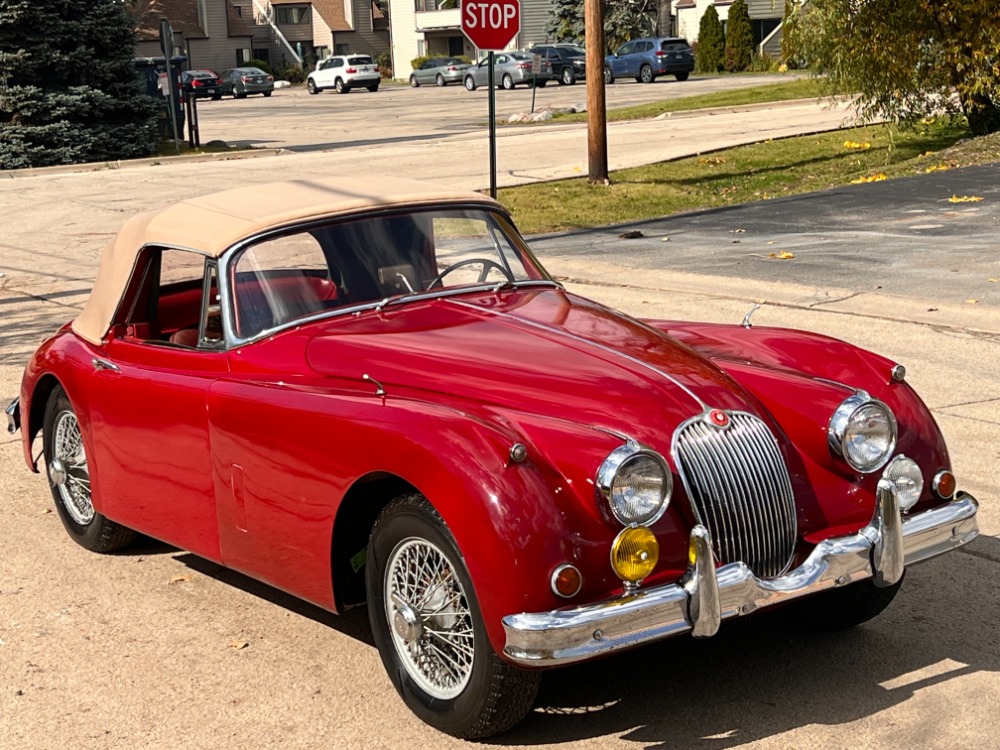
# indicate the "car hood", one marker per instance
pixel 543 352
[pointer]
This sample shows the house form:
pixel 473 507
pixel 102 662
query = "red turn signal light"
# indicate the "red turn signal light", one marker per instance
pixel 944 484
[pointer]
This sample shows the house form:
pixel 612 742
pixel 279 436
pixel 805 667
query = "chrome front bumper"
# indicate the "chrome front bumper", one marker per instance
pixel 13 412
pixel 707 595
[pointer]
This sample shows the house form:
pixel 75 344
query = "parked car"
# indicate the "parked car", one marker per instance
pixel 645 59
pixel 439 70
pixel 343 73
pixel 568 61
pixel 509 69
pixel 238 82
pixel 201 83
pixel 371 392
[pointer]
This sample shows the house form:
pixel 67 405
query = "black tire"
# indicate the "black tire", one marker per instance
pixel 507 82
pixel 341 87
pixel 440 80
pixel 539 83
pixel 242 95
pixel 470 83
pixel 566 76
pixel 843 607
pixel 373 88
pixel 311 87
pixel 267 93
pixel 496 695
pixel 216 97
pixel 94 532
pixel 609 77
pixel 414 82
pixel 682 76
pixel 646 74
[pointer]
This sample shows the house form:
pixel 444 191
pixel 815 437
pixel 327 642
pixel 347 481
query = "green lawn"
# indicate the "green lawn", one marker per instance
pixel 756 172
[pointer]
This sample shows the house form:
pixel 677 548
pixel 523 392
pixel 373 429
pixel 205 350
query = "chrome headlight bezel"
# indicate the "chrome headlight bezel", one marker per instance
pixel 612 469
pixel 839 431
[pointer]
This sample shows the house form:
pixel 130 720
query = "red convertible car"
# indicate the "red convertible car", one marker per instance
pixel 372 393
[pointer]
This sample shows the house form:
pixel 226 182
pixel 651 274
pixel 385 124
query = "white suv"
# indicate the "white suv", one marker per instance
pixel 344 72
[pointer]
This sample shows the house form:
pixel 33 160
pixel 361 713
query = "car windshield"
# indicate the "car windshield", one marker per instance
pixel 359 61
pixel 374 261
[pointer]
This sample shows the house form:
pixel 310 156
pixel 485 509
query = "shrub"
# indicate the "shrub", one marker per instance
pixel 262 64
pixel 292 74
pixel 384 62
pixel 416 62
pixel 739 38
pixel 708 54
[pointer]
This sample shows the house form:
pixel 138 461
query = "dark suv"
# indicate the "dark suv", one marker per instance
pixel 645 59
pixel 569 62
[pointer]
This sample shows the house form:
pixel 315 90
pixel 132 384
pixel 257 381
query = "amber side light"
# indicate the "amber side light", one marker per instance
pixel 944 484
pixel 567 581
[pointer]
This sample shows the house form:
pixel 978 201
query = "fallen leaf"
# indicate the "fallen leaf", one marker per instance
pixel 667 239
pixel 993 281
pixel 855 146
pixel 737 231
pixel 932 309
pixel 972 302
pixel 238 645
pixel 46 511
pixel 965 199
pixel 879 177
pixel 771 242
pixel 782 255
pixel 178 579
pixel 735 242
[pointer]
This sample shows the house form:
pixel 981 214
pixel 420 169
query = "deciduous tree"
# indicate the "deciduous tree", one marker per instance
pixel 68 89
pixel 623 20
pixel 909 59
pixel 711 42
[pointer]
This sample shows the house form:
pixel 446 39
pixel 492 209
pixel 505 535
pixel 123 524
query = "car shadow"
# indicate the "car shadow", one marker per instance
pixel 762 676
pixel 353 623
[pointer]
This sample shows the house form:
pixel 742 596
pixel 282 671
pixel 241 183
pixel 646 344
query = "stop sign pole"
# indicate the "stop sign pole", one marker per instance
pixel 491 25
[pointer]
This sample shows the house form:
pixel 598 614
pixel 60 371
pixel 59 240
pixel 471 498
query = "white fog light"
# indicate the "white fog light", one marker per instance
pixel 863 432
pixel 908 480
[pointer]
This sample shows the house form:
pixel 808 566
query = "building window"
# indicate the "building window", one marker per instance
pixel 292 16
pixel 341 49
pixel 421 47
pixel 322 52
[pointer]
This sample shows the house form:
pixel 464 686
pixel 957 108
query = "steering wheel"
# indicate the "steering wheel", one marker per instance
pixel 486 263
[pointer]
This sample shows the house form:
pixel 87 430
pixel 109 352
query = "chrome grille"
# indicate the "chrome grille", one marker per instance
pixel 740 490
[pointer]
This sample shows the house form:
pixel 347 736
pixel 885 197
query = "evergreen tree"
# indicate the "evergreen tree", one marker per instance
pixel 566 21
pixel 68 88
pixel 739 38
pixel 711 43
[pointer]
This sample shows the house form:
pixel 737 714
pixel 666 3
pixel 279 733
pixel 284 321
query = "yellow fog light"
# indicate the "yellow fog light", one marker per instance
pixel 634 553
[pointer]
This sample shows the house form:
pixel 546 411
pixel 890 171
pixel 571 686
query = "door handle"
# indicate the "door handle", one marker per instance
pixel 104 364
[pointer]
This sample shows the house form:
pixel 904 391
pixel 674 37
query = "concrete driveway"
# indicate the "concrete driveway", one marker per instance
pixel 146 649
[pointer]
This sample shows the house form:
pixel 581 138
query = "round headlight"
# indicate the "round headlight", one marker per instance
pixel 908 480
pixel 863 433
pixel 636 484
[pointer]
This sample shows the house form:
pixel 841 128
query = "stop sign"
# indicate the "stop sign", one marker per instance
pixel 491 24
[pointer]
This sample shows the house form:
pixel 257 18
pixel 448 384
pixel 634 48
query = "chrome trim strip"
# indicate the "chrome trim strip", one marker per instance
pixel 13 412
pixel 590 342
pixel 565 636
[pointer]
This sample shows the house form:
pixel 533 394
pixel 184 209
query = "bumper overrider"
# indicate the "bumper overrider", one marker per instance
pixel 706 595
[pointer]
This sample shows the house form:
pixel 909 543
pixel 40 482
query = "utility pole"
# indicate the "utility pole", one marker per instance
pixel 597 121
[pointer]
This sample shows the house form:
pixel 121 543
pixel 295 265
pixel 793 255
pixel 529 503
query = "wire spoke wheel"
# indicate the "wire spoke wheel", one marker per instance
pixel 431 622
pixel 68 469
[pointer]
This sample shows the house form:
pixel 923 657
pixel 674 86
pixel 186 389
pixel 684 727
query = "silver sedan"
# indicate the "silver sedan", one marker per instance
pixel 509 69
pixel 439 70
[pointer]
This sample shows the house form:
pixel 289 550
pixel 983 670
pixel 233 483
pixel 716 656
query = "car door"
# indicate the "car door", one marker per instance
pixel 481 73
pixel 426 72
pixel 644 56
pixel 148 411
pixel 619 63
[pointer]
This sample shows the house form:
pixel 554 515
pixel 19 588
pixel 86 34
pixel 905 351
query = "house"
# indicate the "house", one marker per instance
pixel 765 20
pixel 211 33
pixel 434 27
pixel 290 31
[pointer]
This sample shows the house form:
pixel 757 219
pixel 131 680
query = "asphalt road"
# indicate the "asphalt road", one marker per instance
pixel 138 650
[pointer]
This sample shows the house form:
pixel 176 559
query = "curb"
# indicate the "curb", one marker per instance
pixel 155 161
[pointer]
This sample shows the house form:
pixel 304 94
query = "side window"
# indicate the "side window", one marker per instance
pixel 647 46
pixel 280 280
pixel 627 49
pixel 167 300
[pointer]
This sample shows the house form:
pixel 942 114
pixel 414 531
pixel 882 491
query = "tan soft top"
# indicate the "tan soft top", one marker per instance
pixel 213 223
